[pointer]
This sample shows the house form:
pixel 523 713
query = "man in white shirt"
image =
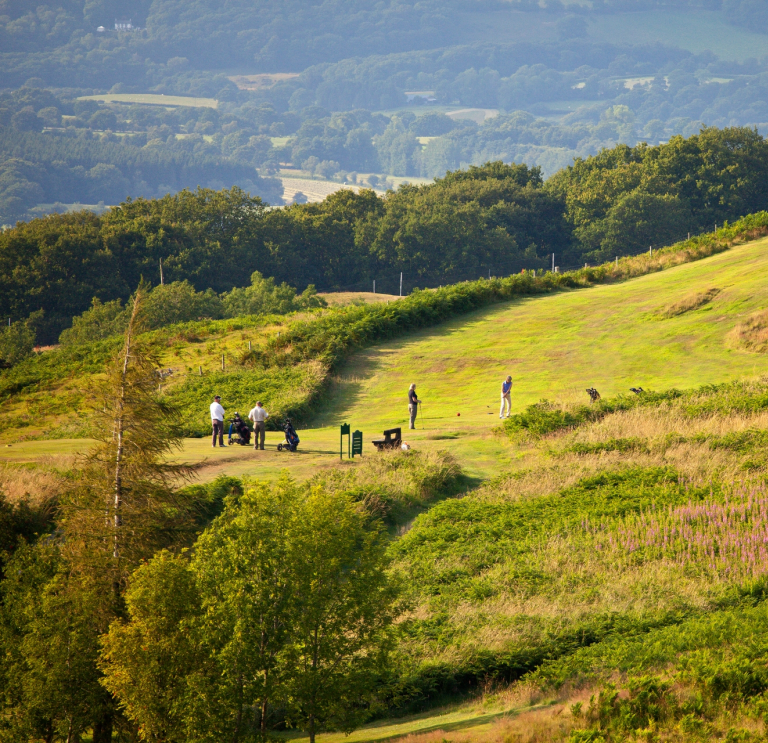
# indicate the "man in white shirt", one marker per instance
pixel 259 416
pixel 217 420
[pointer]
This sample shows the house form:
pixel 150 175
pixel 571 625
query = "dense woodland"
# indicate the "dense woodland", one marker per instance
pixel 563 91
pixel 493 219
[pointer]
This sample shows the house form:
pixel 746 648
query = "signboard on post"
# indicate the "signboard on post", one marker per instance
pixel 357 443
pixel 344 432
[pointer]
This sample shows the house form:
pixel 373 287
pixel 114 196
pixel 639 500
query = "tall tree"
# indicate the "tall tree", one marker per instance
pixel 120 510
pixel 341 625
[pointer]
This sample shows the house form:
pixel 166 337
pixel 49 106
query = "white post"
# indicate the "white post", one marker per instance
pixel 161 272
pixel 617 261
pixel 553 262
pixel 374 286
pixel 401 283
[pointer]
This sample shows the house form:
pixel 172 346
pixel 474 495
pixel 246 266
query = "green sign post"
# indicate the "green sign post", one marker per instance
pixel 357 443
pixel 344 432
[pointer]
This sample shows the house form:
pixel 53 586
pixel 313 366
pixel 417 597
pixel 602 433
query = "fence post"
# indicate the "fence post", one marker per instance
pixel 553 262
pixel 201 370
pixel 374 286
pixel 222 362
pixel 401 283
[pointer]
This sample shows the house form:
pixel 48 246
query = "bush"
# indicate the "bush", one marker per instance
pixel 102 320
pixel 264 297
pixel 16 343
pixel 392 485
pixel 178 302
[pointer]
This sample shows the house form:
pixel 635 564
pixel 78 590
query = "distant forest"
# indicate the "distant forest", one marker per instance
pixel 495 219
pixel 344 113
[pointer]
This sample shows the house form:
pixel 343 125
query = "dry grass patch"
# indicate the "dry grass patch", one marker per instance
pixel 689 303
pixel 752 334
pixel 39 487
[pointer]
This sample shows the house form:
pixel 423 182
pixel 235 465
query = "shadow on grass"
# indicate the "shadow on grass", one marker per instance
pixel 410 726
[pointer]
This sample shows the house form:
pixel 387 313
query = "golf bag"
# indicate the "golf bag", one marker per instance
pixel 242 434
pixel 291 442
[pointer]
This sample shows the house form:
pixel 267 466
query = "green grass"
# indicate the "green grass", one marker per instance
pixel 153 99
pixel 528 575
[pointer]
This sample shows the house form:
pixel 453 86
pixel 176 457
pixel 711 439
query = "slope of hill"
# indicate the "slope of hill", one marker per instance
pixel 619 542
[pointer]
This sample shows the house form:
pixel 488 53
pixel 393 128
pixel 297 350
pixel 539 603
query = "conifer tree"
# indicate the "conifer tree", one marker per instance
pixel 121 508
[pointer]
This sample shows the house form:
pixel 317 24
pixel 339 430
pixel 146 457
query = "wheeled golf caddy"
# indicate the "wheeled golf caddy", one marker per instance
pixel 291 442
pixel 242 434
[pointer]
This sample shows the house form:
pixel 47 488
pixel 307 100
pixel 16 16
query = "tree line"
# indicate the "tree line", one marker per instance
pixel 496 218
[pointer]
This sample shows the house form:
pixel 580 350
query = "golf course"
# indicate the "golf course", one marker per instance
pixel 612 337
pixel 548 559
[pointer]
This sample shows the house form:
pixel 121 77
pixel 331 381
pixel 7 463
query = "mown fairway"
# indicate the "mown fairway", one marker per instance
pixel 555 347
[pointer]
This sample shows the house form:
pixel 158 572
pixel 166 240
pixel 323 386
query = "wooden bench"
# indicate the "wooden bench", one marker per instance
pixel 393 438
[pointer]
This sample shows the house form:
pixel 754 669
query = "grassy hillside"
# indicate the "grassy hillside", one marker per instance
pixel 620 543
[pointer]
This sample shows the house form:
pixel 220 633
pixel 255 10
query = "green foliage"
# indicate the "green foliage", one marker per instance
pixel 625 199
pixel 49 626
pixel 496 217
pixel 392 485
pixel 102 320
pixel 20 523
pixel 283 616
pixel 147 660
pixel 263 297
pixel 178 302
pixel 544 417
pixel 16 342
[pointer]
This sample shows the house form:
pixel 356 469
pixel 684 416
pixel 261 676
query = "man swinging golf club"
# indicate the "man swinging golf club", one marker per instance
pixel 413 405
pixel 506 398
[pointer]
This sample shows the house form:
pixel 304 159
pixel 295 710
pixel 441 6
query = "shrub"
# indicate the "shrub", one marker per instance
pixel 16 343
pixel 263 296
pixel 391 485
pixel 102 320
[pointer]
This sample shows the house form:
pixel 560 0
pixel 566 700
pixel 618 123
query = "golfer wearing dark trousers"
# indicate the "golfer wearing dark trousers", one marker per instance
pixel 259 417
pixel 217 421
pixel 413 405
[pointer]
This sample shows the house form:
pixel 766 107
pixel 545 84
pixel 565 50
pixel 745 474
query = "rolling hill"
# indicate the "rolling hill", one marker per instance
pixel 620 543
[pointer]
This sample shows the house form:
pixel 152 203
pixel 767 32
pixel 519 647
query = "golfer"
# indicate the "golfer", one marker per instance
pixel 217 420
pixel 413 405
pixel 506 398
pixel 259 416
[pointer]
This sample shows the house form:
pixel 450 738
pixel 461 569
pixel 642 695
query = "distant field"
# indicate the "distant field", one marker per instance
pixel 314 190
pixel 259 82
pixel 695 30
pixel 478 115
pixel 336 298
pixel 153 99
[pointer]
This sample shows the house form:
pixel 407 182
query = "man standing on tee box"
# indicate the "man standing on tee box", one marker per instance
pixel 413 405
pixel 259 416
pixel 506 398
pixel 217 420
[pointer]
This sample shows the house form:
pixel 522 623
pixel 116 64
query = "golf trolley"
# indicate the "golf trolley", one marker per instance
pixel 238 427
pixel 291 442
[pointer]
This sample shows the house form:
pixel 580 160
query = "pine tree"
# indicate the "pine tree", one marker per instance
pixel 121 509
